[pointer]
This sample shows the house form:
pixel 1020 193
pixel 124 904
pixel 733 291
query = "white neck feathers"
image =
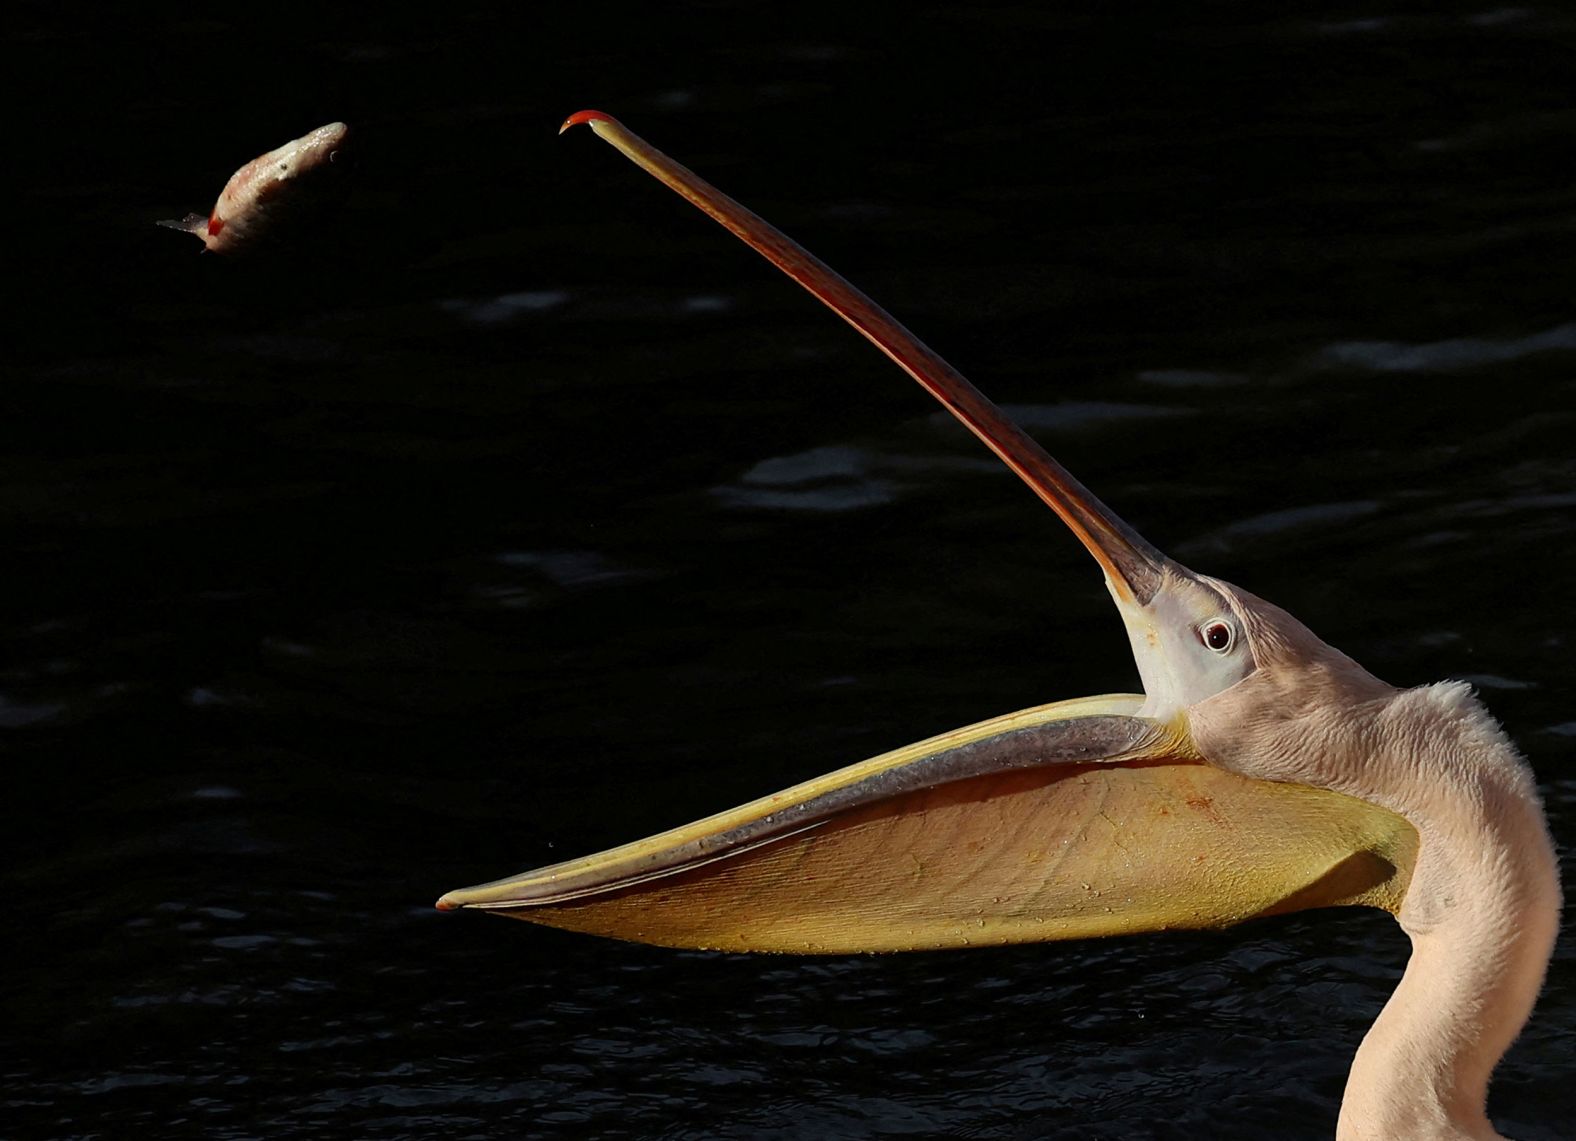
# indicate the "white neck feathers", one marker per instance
pixel 1482 912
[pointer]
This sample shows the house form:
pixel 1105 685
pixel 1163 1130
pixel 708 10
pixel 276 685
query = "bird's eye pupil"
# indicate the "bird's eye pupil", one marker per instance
pixel 1217 636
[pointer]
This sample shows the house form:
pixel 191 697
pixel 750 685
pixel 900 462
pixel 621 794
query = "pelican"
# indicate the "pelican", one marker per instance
pixel 1261 771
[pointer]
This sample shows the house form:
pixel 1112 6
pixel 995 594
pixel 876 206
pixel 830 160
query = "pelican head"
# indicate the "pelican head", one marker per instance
pixel 1260 771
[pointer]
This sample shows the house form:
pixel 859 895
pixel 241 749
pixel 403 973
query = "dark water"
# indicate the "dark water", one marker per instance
pixel 529 515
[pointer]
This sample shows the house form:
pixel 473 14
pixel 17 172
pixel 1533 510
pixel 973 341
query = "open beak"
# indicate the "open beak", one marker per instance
pixel 1069 820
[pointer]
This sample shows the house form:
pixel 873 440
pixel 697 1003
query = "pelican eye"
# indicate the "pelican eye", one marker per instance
pixel 1217 635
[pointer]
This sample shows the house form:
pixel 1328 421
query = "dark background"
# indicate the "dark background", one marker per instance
pixel 523 514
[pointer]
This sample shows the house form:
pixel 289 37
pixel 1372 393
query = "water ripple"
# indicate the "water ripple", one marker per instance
pixel 1441 356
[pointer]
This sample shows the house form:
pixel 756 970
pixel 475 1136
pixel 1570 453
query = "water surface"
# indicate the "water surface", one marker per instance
pixel 530 515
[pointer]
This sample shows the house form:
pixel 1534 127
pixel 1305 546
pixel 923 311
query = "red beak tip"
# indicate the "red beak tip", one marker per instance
pixel 586 117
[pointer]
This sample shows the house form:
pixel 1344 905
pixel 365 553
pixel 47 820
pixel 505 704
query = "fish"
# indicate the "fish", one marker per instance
pixel 282 183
